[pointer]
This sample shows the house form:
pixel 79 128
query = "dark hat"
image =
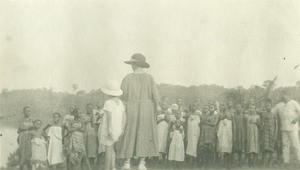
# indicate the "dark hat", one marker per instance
pixel 139 60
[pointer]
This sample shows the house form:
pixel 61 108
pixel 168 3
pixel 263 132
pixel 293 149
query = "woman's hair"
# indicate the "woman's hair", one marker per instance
pixel 56 113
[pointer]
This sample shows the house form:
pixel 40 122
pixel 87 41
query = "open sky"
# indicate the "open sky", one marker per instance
pixel 230 43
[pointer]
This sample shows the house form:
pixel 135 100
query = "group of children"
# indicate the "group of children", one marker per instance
pixel 71 142
pixel 213 135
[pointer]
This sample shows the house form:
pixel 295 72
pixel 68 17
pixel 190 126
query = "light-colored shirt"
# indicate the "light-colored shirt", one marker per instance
pixel 288 112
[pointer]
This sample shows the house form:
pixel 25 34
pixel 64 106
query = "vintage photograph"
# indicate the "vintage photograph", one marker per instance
pixel 157 85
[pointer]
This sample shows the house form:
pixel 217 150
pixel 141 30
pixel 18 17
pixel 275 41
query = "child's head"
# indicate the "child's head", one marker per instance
pixel 268 104
pixel 239 108
pixel 252 109
pixel 193 107
pixel 205 109
pixel 177 123
pixel 223 106
pixel 76 113
pixel 37 124
pixel 211 109
pixel 26 111
pixel 56 116
pixel 89 108
pixel 177 114
pixel 163 106
pixel 229 104
pixel 179 101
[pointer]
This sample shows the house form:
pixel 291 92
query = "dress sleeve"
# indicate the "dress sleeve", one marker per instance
pixel 124 88
pixel 107 106
pixel 155 94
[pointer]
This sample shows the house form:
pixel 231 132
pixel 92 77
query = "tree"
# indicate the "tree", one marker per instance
pixel 75 87
pixel 298 84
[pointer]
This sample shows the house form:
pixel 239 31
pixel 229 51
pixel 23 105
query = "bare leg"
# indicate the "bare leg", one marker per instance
pixel 108 157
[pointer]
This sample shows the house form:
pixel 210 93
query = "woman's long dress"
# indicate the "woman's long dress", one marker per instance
pixel 193 134
pixel 140 95
pixel 252 134
pixel 90 137
pixel 55 149
pixel 24 140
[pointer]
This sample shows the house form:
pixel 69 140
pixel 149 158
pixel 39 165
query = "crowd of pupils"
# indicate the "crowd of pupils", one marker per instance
pixel 206 136
pixel 219 135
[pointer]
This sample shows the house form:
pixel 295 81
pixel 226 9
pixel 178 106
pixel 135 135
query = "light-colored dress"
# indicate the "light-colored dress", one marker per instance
pixel 163 131
pixel 193 134
pixel 117 113
pixel 176 150
pixel 55 149
pixel 38 147
pixel 90 137
pixel 140 136
pixel 252 145
pixel 225 136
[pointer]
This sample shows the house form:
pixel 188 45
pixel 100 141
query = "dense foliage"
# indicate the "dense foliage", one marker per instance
pixel 44 101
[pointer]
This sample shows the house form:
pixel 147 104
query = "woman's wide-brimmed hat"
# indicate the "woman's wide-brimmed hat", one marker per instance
pixel 112 88
pixel 139 60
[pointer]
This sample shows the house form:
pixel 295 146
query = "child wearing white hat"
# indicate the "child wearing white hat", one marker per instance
pixel 113 121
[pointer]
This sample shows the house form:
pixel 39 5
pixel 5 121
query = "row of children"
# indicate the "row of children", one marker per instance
pixel 215 133
pixel 72 142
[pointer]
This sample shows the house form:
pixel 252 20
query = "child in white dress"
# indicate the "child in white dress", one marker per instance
pixel 163 130
pixel 176 150
pixel 38 147
pixel 193 133
pixel 113 122
pixel 55 154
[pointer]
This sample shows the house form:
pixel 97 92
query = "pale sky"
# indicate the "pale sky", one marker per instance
pixel 229 43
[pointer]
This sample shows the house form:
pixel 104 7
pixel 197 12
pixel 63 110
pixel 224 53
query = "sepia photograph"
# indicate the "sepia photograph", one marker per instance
pixel 157 85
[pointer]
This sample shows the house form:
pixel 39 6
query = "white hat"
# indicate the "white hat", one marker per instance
pixel 112 88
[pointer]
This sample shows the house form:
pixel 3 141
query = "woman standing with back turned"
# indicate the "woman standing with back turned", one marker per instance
pixel 140 96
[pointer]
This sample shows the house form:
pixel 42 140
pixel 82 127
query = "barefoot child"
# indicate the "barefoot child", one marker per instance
pixel 55 145
pixel 176 150
pixel 225 134
pixel 269 128
pixel 239 133
pixel 163 131
pixel 193 133
pixel 113 124
pixel 252 137
pixel 38 147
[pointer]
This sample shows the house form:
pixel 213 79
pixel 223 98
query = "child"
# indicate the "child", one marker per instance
pixel 55 147
pixel 252 137
pixel 225 134
pixel 24 138
pixel 113 124
pixel 176 150
pixel 239 133
pixel 193 132
pixel 38 147
pixel 207 141
pixel 269 132
pixel 163 130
